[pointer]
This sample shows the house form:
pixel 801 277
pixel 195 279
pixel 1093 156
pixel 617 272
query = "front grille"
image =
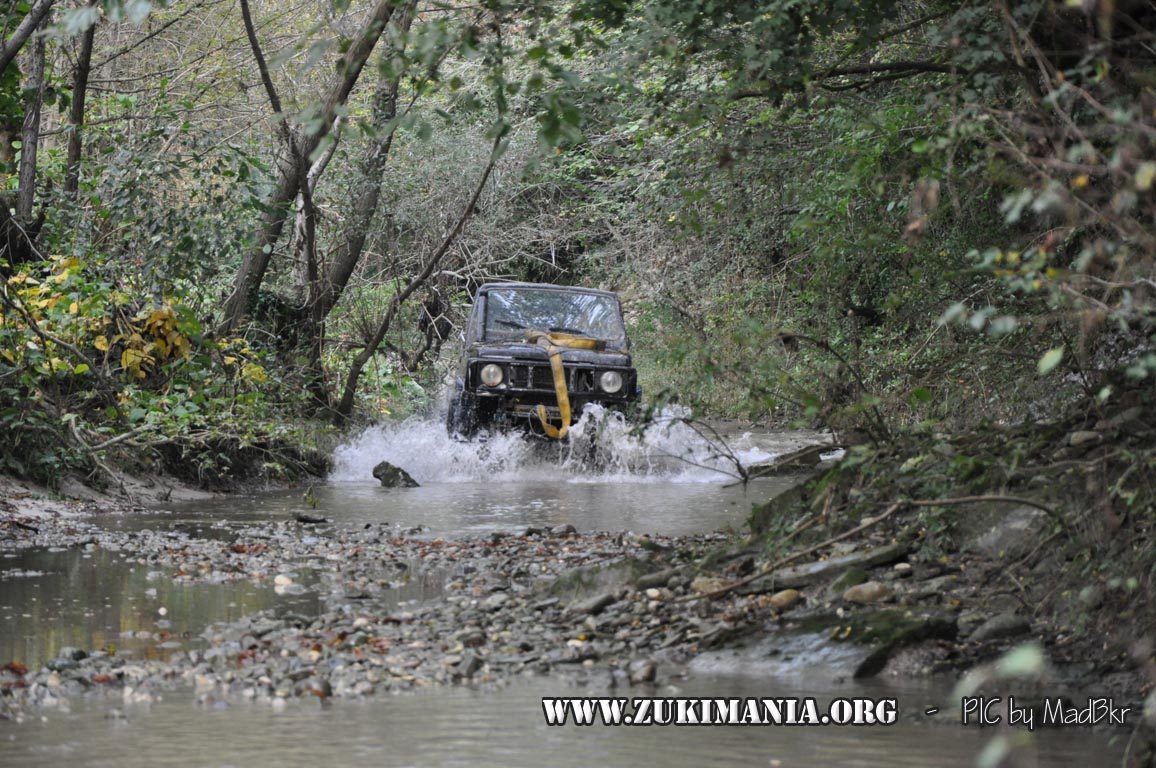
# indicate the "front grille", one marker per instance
pixel 539 378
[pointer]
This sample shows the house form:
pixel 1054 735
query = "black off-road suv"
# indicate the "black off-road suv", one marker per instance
pixel 535 355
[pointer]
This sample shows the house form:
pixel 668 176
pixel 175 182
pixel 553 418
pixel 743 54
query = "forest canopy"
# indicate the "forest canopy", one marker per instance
pixel 221 220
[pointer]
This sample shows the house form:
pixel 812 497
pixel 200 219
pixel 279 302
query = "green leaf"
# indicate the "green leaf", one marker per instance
pixel 78 20
pixel 921 395
pixel 1050 360
pixel 80 369
pixel 920 146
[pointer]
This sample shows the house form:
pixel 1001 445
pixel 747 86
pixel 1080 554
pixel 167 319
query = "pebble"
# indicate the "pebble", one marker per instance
pixel 785 600
pixel 868 592
pixel 497 620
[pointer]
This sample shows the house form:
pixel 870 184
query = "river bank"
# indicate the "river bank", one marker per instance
pixel 606 610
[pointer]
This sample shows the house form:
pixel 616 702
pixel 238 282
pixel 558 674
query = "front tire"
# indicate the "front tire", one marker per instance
pixel 462 416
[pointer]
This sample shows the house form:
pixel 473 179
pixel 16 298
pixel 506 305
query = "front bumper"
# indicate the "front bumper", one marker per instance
pixel 528 384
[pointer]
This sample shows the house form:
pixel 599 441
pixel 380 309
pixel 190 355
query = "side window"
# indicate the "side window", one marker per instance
pixel 477 324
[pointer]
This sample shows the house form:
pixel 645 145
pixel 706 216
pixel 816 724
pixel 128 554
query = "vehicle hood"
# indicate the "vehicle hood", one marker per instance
pixel 523 351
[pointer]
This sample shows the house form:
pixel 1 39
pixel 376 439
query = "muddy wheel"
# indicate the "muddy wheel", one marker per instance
pixel 462 416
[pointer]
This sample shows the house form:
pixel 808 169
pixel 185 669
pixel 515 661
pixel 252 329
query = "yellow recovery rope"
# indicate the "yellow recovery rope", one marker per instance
pixel 553 343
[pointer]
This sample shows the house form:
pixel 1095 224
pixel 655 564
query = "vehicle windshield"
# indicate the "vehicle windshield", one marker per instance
pixel 511 312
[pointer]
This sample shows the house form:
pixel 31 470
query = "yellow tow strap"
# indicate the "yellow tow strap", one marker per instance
pixel 553 343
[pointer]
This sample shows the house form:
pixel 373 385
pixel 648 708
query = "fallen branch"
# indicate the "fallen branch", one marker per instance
pixel 71 419
pixel 768 570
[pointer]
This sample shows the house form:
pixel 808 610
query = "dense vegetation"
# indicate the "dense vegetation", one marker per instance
pixel 224 225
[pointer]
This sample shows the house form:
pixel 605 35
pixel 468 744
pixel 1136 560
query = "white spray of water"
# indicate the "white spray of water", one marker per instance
pixel 602 447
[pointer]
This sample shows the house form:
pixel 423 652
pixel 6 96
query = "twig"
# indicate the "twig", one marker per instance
pixel 1036 549
pixel 71 419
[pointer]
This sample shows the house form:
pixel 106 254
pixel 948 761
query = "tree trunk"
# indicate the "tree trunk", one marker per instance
pixel 76 111
pixel 278 206
pixel 366 191
pixel 10 47
pixel 30 138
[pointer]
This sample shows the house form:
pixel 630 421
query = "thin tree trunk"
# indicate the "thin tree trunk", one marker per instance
pixel 10 47
pixel 278 206
pixel 30 138
pixel 366 191
pixel 76 111
pixel 345 407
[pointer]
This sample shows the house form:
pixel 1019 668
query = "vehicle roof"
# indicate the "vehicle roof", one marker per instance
pixel 545 286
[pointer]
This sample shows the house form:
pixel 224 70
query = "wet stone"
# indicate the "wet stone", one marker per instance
pixel 392 476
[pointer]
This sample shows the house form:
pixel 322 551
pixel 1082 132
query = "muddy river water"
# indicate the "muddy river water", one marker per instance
pixel 95 598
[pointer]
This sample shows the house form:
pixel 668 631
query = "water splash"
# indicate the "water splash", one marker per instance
pixel 603 447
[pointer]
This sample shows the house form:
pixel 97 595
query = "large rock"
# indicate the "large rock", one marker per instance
pixel 1000 531
pixel 392 476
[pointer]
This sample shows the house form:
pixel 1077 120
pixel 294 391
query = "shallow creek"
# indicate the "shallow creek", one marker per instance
pixel 92 598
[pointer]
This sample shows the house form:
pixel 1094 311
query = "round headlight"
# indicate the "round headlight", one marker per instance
pixel 610 381
pixel 491 375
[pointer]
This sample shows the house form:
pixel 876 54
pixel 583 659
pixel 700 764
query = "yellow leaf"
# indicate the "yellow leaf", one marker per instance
pixel 230 360
pixel 101 343
pixel 255 373
pixel 1080 181
pixel 1145 175
pixel 73 308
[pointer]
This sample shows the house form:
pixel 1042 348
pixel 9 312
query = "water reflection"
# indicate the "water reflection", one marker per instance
pixel 460 727
pixel 476 508
pixel 97 599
